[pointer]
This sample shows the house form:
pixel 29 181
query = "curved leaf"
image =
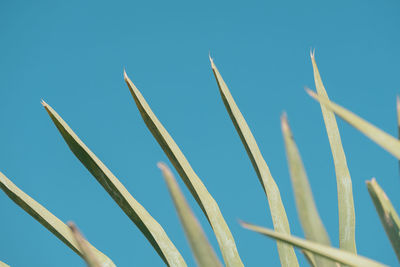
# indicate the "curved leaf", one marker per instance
pixel 48 220
pixel 343 179
pixel 199 191
pixel 202 250
pixel 313 227
pixel 388 215
pixel 151 229
pixel 281 224
pixel 334 254
pixel 386 141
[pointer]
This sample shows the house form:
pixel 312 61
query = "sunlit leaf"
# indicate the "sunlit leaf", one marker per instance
pixel 343 179
pixel 388 215
pixel 286 253
pixel 334 254
pixel 48 220
pixel 199 191
pixel 139 215
pixel 87 252
pixel 313 227
pixel 2 264
pixel 386 141
pixel 202 250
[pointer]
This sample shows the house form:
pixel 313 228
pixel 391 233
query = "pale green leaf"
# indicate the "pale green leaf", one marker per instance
pixel 87 252
pixel 48 220
pixel 343 179
pixel 388 215
pixel 2 264
pixel 334 254
pixel 309 257
pixel 286 253
pixel 202 250
pixel 398 120
pixel 151 229
pixel 199 191
pixel 386 141
pixel 313 227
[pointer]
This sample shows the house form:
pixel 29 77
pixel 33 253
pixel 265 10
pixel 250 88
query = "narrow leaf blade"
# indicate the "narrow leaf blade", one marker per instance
pixel 87 252
pixel 386 141
pixel 388 215
pixel 311 222
pixel 278 213
pixel 199 191
pixel 334 254
pixel 309 257
pixel 204 254
pixel 343 179
pixel 47 219
pixel 398 120
pixel 151 229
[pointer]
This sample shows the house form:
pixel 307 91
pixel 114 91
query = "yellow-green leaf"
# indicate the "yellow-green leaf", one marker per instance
pixel 151 229
pixel 309 257
pixel 343 179
pixel 2 264
pixel 388 215
pixel 398 120
pixel 87 252
pixel 313 227
pixel 281 224
pixel 48 220
pixel 199 191
pixel 334 254
pixel 202 250
pixel 386 141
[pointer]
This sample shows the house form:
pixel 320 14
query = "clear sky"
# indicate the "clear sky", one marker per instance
pixel 72 54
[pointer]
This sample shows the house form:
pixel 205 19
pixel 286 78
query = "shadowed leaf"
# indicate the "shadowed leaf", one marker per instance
pixel 87 252
pixel 202 250
pixel 313 227
pixel 48 220
pixel 388 142
pixel 343 179
pixel 139 215
pixel 279 218
pixel 199 191
pixel 388 215
pixel 334 254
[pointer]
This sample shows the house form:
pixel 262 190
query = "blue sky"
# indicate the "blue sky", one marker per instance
pixel 72 54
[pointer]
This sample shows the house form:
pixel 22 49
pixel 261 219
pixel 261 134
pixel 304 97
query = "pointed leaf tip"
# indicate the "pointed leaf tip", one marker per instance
pixel 311 93
pixel 312 53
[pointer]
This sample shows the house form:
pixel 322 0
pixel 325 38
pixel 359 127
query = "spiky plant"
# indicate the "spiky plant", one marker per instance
pixel 316 246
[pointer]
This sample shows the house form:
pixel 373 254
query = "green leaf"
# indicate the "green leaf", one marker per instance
pixel 343 179
pixel 388 215
pixel 279 218
pixel 87 252
pixel 202 250
pixel 199 191
pixel 48 220
pixel 151 229
pixel 334 254
pixel 388 142
pixel 313 227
